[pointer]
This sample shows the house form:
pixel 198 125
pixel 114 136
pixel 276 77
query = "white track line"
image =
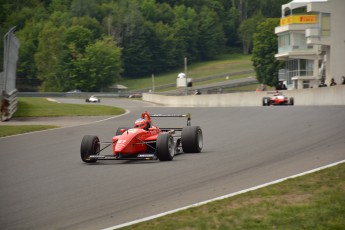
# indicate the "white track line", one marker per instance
pixel 222 197
pixel 88 123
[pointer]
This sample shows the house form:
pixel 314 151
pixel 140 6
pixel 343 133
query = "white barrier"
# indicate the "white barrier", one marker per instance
pixel 334 95
pixel 8 105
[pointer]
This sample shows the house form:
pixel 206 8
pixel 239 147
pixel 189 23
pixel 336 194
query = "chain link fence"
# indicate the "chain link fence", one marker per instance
pixel 8 77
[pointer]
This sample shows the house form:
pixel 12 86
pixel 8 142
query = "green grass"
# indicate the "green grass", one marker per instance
pixel 223 64
pixel 41 107
pixel 314 201
pixel 8 130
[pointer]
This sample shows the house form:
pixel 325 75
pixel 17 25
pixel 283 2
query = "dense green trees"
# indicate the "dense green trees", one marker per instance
pixel 91 44
pixel 48 56
pixel 247 30
pixel 265 47
pixel 98 67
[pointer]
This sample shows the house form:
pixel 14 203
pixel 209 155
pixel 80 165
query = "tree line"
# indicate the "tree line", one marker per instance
pixel 92 44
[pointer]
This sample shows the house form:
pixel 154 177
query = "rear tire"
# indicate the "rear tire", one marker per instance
pixel 263 101
pixel 192 139
pixel 266 101
pixel 89 146
pixel 165 147
pixel 291 101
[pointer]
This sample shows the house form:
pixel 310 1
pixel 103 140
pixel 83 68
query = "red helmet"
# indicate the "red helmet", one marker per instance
pixel 140 123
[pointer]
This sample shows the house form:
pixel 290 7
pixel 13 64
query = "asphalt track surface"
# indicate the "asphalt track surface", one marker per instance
pixel 45 185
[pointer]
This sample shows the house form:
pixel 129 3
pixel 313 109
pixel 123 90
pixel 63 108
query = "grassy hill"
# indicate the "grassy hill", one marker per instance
pixel 228 63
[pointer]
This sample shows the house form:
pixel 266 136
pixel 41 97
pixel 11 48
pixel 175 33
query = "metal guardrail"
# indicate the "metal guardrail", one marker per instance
pixel 8 77
pixel 200 79
pixel 73 95
pixel 206 89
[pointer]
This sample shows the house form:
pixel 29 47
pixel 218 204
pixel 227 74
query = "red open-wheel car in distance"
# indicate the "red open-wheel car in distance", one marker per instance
pixel 277 99
pixel 145 141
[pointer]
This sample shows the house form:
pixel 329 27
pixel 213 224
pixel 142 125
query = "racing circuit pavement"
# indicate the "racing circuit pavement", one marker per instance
pixel 45 185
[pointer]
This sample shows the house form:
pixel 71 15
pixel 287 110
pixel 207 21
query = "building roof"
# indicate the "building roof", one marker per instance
pixel 298 3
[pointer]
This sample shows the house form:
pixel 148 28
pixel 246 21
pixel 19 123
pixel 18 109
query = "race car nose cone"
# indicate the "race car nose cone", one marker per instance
pixel 119 148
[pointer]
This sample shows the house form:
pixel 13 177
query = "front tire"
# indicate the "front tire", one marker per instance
pixel 165 147
pixel 291 101
pixel 89 146
pixel 192 139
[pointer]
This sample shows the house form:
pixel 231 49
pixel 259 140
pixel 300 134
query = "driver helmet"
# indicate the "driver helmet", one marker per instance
pixel 140 123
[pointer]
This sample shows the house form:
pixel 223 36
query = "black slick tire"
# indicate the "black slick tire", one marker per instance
pixel 264 101
pixel 192 139
pixel 89 146
pixel 165 147
pixel 291 101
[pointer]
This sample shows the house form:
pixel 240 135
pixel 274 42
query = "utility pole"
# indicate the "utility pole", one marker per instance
pixel 153 83
pixel 185 72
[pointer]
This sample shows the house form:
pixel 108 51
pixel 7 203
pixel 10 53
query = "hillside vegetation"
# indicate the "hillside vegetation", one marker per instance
pixel 91 45
pixel 230 63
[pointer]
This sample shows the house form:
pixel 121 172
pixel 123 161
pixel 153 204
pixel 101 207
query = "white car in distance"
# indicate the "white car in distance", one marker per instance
pixel 92 99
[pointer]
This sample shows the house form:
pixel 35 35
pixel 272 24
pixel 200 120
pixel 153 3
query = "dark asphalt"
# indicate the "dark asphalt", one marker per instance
pixel 45 185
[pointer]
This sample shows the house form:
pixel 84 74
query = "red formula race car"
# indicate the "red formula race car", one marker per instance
pixel 277 99
pixel 145 141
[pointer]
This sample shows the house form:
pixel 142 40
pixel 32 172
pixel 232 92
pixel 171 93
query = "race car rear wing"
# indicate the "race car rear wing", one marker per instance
pixel 188 116
pixel 275 92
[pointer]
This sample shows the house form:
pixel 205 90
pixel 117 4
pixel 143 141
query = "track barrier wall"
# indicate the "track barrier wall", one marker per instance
pixel 334 95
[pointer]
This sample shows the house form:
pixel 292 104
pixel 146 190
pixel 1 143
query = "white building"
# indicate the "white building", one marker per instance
pixel 311 41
